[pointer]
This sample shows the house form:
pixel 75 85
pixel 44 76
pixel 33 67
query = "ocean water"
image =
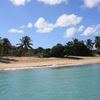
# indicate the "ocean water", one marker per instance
pixel 74 83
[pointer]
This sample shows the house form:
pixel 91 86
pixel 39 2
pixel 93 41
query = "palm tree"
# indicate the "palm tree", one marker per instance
pixel 6 46
pixel 0 46
pixel 25 45
pixel 97 42
pixel 89 44
pixel 75 41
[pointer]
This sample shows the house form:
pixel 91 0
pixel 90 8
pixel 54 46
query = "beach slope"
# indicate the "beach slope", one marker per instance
pixel 33 62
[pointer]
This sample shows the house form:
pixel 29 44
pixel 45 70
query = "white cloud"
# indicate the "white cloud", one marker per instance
pixel 62 21
pixel 23 26
pixel 70 32
pixel 92 30
pixel 52 2
pixel 43 26
pixel 91 3
pixel 81 28
pixel 97 29
pixel 29 25
pixel 19 2
pixel 67 20
pixel 88 31
pixel 14 30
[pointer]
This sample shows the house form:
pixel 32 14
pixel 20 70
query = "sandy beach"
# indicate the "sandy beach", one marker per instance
pixel 33 62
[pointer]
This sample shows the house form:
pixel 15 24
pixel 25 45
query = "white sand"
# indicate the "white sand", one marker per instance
pixel 13 63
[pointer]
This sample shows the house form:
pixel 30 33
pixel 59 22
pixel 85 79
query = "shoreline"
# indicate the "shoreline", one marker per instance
pixel 48 66
pixel 25 63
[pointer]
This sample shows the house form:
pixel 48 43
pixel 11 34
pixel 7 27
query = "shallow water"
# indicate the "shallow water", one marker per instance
pixel 75 83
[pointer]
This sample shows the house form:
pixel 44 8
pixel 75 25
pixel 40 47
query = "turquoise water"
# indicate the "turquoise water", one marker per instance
pixel 76 83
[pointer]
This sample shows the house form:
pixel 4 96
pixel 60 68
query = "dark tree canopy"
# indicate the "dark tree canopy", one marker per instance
pixel 57 51
pixel 75 47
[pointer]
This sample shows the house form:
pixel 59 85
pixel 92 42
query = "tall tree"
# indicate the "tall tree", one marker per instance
pixel 57 50
pixel 75 41
pixel 97 42
pixel 76 48
pixel 25 45
pixel 6 45
pixel 89 44
pixel 1 47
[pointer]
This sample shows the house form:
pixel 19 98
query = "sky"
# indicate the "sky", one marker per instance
pixel 49 22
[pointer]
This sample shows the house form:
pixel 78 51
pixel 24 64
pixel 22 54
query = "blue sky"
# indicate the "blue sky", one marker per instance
pixel 49 22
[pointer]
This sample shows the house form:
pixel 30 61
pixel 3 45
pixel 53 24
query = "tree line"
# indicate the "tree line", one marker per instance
pixel 75 47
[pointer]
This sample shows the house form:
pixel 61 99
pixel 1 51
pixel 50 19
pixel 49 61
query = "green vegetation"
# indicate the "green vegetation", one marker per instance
pixel 72 48
pixel 24 46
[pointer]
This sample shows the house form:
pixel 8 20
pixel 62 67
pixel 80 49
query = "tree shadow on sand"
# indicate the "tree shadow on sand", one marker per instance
pixel 7 60
pixel 74 58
